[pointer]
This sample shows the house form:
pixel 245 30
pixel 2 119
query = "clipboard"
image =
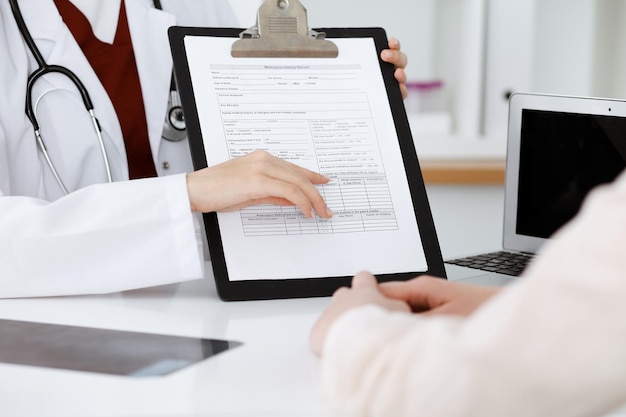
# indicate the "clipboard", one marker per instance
pixel 271 252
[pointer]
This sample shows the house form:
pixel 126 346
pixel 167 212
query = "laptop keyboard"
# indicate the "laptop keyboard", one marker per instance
pixel 508 263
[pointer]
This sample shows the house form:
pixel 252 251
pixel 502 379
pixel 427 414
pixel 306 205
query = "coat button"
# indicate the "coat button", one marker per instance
pixel 165 165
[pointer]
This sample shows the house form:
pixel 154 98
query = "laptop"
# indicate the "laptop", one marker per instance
pixel 558 149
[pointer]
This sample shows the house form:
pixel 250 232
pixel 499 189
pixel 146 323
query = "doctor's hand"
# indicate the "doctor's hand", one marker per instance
pixel 394 56
pixel 256 178
pixel 364 291
pixel 430 295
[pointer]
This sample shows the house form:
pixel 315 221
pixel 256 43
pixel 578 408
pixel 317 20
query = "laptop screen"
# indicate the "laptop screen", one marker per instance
pixel 562 157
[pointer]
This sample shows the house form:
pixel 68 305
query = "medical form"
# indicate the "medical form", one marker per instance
pixel 328 115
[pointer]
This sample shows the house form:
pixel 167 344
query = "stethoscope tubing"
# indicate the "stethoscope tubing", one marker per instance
pixel 43 69
pixel 49 69
pixel 175 132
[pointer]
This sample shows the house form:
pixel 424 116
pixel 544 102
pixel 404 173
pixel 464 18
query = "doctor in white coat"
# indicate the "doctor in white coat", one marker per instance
pixel 104 237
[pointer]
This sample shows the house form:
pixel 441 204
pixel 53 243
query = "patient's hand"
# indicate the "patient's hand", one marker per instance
pixel 364 291
pixel 429 295
pixel 424 295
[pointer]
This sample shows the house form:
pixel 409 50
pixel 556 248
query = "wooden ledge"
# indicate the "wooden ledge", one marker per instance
pixel 463 172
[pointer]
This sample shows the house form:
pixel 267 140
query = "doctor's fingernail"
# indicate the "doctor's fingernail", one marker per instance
pixel 329 212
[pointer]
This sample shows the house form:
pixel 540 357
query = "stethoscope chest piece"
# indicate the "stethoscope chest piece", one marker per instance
pixel 174 126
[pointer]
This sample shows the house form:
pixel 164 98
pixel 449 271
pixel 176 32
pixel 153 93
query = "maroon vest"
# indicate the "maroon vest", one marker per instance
pixel 116 68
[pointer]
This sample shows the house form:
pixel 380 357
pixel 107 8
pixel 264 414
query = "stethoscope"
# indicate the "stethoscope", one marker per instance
pixel 174 126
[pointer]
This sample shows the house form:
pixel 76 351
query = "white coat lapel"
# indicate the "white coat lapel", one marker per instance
pixel 148 32
pixel 46 27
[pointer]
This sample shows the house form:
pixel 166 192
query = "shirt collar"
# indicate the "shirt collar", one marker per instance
pixel 102 15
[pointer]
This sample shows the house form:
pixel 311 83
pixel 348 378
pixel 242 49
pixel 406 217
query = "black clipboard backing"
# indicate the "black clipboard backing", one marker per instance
pixel 250 289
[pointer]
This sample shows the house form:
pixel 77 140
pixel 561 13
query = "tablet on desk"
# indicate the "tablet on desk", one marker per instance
pixel 102 351
pixel 343 117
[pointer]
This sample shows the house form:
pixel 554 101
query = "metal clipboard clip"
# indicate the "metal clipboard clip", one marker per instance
pixel 282 31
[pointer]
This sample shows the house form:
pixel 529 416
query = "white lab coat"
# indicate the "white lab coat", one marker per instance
pixel 107 237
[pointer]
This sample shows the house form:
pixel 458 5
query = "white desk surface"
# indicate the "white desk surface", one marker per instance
pixel 272 374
